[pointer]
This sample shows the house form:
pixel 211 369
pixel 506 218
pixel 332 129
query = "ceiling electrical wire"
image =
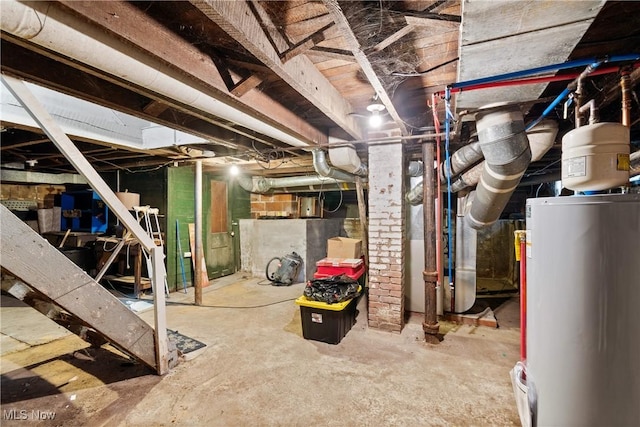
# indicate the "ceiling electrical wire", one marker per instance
pixel 320 197
pixel 421 73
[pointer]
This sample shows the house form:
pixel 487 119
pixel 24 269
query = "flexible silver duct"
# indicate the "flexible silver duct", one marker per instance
pixel 291 184
pixel 328 179
pixel 507 155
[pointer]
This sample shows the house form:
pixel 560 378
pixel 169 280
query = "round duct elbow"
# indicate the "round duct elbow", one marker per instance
pixel 415 196
pixel 323 169
pixel 505 146
pixel 416 168
pixel 541 138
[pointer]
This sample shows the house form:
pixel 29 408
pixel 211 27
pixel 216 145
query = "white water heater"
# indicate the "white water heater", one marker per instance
pixel 583 310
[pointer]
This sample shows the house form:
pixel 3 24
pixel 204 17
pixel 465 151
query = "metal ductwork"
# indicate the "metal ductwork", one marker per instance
pixel 328 179
pixel 507 155
pixel 324 170
pixel 634 161
pixel 541 139
pixel 416 168
pixel 292 184
pixel 461 160
pixel 347 159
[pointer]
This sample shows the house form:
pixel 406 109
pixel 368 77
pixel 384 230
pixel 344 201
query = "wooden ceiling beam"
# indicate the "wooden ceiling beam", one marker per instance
pixel 155 108
pixel 23 144
pixel 237 20
pixel 435 24
pixel 331 53
pixel 305 44
pixel 393 38
pixel 127 22
pixel 343 25
pixel 246 84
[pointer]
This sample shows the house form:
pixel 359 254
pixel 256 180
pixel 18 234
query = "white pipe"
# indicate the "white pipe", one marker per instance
pixel 264 185
pixel 197 282
pixel 593 111
pixel 51 28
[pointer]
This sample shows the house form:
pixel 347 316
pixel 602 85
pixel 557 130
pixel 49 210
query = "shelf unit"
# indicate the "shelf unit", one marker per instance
pixel 84 211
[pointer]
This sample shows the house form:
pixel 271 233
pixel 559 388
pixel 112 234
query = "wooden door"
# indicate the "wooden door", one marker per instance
pixel 220 256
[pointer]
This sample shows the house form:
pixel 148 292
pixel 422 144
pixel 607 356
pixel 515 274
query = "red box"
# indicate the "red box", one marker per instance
pixel 352 267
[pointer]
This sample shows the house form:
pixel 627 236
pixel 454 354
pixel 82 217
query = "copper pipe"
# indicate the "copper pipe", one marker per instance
pixel 626 100
pixel 430 325
pixel 577 100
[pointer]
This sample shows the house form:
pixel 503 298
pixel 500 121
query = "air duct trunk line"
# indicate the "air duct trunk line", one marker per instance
pixel 507 154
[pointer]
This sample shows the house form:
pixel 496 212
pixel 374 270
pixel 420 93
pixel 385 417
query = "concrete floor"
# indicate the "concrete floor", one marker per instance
pixel 257 369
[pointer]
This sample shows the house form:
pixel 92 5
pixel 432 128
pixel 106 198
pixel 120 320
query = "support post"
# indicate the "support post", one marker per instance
pixel 430 325
pixel 362 212
pixel 198 233
pixel 159 315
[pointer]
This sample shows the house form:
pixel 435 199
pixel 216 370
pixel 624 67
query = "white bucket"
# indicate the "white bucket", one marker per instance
pixel 520 393
pixel 129 200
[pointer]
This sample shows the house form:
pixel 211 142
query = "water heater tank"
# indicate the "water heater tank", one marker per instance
pixel 596 157
pixel 583 310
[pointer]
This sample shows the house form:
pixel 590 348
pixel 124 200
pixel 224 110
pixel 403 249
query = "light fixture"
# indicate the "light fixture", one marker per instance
pixel 234 170
pixel 375 120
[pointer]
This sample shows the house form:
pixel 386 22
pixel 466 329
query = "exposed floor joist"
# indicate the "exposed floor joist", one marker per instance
pixel 239 22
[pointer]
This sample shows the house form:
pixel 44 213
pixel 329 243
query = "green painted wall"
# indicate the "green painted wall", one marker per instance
pixel 171 190
pixel 180 204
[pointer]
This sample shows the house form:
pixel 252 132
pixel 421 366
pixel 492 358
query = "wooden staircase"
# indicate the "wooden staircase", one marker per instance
pixel 41 276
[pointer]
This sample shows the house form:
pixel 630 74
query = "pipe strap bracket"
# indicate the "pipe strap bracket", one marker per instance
pixel 431 329
pixel 430 276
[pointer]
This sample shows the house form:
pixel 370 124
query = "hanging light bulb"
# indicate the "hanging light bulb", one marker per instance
pixel 234 170
pixel 375 120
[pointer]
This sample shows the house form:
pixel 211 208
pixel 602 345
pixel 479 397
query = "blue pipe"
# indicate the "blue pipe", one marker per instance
pixel 570 88
pixel 546 68
pixel 447 99
pixel 550 108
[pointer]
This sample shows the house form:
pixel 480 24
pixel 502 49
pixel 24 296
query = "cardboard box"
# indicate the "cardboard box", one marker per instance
pixel 343 247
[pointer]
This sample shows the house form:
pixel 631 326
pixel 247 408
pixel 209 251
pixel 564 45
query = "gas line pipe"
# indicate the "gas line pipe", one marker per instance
pixel 521 255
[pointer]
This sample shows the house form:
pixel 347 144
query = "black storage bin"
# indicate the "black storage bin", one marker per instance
pixel 324 322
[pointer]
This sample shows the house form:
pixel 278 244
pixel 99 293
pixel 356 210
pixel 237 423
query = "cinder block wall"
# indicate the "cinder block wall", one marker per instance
pixel 386 237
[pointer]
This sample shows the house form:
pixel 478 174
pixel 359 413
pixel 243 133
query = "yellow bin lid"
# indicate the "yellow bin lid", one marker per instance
pixel 337 306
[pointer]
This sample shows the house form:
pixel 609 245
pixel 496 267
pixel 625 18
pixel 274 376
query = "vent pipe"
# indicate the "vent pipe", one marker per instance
pixel 461 160
pixel 292 184
pixel 347 159
pixel 323 169
pixel 541 139
pixel 507 155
